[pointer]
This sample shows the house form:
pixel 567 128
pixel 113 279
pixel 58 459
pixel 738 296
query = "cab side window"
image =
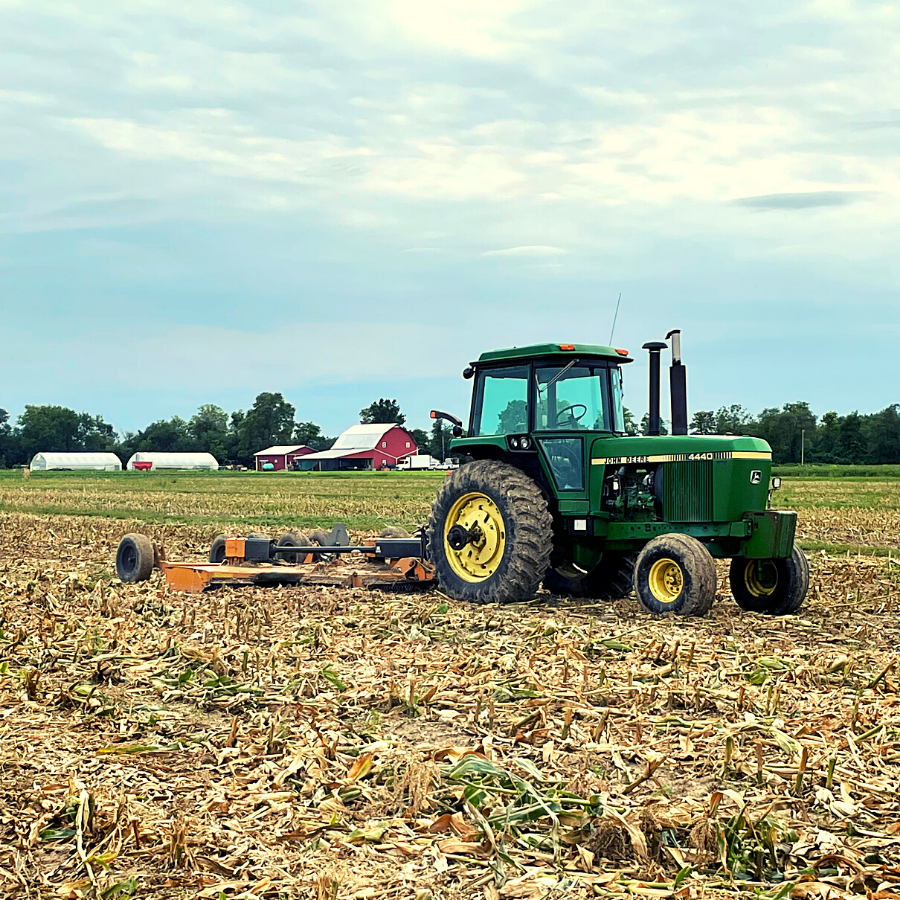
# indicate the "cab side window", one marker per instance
pixel 502 401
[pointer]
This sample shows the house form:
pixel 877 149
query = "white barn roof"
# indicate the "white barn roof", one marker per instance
pixel 354 440
pixel 280 450
pixel 363 437
pixel 175 460
pixel 97 462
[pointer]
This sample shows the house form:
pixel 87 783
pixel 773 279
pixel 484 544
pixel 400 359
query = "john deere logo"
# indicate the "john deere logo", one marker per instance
pixel 755 476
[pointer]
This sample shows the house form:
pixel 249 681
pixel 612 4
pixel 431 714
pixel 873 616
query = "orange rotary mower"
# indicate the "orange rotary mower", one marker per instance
pixel 392 559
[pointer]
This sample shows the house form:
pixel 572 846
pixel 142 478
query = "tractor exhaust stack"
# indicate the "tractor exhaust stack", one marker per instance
pixel 655 348
pixel 678 385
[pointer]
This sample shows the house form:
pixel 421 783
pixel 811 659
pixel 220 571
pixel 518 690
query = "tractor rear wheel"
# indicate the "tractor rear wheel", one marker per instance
pixel 134 558
pixel 611 579
pixel 490 534
pixel 675 573
pixel 775 587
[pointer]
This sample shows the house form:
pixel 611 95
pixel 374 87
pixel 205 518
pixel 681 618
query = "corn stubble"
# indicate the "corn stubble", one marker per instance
pixel 343 743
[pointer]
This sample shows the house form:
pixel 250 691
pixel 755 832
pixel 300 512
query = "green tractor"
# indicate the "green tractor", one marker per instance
pixel 556 493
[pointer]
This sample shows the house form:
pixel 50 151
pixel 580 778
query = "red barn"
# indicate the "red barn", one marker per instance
pixel 280 457
pixel 364 447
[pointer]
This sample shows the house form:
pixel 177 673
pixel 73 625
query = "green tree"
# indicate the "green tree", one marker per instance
pixel 703 422
pixel 631 426
pixel 827 438
pixel 851 447
pixel 94 434
pixel 165 436
pixel 8 442
pixel 310 435
pixel 269 421
pixel 884 435
pixel 787 430
pixel 732 419
pixel 48 429
pixel 645 425
pixel 423 441
pixel 208 429
pixel 382 412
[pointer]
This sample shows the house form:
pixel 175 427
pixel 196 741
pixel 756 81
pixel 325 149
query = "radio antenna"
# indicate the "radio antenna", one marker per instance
pixel 616 316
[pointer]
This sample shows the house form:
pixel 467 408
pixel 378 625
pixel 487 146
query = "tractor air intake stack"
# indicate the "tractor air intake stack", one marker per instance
pixel 655 348
pixel 678 385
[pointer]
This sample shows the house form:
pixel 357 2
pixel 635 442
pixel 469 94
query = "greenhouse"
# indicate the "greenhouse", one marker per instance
pixel 153 461
pixel 93 462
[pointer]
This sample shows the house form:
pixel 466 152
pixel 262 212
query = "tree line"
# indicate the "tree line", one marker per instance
pixel 795 434
pixel 793 431
pixel 231 438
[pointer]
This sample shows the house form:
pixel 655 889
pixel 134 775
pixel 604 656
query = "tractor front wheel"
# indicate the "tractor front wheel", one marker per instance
pixel 490 534
pixel 675 573
pixel 774 587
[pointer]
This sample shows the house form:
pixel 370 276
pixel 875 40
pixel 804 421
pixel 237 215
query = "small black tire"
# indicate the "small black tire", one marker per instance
pixel 217 550
pixel 320 538
pixel 675 573
pixel 394 531
pixel 134 558
pixel 292 539
pixel 611 579
pixel 773 587
pixel 513 549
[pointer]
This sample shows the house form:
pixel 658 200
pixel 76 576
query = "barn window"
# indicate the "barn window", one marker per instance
pixel 407 445
pixel 384 444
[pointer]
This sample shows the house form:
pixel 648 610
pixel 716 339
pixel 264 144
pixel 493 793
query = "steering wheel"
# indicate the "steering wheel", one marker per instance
pixel 572 417
pixel 563 459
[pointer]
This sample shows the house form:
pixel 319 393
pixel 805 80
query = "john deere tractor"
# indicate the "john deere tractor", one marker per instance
pixel 556 492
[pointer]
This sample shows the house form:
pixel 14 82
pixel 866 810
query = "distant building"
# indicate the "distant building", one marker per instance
pixel 197 461
pixel 91 462
pixel 280 457
pixel 363 447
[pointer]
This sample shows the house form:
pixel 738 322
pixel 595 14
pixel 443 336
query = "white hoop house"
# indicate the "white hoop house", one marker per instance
pixel 90 462
pixel 193 461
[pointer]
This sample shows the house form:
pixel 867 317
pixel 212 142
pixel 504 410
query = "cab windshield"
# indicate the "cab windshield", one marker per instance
pixel 575 397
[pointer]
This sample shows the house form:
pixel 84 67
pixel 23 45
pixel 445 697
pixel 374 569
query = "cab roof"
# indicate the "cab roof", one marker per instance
pixel 560 351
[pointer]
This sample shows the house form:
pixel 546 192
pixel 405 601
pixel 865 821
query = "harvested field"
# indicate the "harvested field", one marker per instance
pixel 266 743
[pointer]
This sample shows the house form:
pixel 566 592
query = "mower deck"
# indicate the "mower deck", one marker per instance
pixel 195 577
pixel 258 561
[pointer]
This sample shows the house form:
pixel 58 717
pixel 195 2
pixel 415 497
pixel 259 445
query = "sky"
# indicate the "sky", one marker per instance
pixel 344 201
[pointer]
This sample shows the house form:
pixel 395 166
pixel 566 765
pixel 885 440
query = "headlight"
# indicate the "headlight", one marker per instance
pixel 525 443
pixel 514 443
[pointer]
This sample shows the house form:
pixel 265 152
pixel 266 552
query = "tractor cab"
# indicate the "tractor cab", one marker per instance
pixel 546 401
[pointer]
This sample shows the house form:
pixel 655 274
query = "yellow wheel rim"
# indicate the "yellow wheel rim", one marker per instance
pixel 761 577
pixel 481 557
pixel 666 580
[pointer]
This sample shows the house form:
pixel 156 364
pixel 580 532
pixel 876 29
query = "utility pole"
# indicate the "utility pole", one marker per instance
pixel 802 446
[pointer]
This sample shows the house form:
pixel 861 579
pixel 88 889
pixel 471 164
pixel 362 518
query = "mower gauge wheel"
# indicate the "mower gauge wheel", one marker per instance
pixel 217 550
pixel 134 558
pixel 292 539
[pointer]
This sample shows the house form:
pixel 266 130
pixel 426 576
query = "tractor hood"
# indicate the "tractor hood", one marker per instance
pixel 677 448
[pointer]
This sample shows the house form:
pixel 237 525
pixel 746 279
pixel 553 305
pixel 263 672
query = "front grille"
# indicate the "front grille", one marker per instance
pixel 688 491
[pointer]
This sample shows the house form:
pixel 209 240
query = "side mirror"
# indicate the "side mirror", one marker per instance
pixel 776 482
pixel 438 414
pixel 468 372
